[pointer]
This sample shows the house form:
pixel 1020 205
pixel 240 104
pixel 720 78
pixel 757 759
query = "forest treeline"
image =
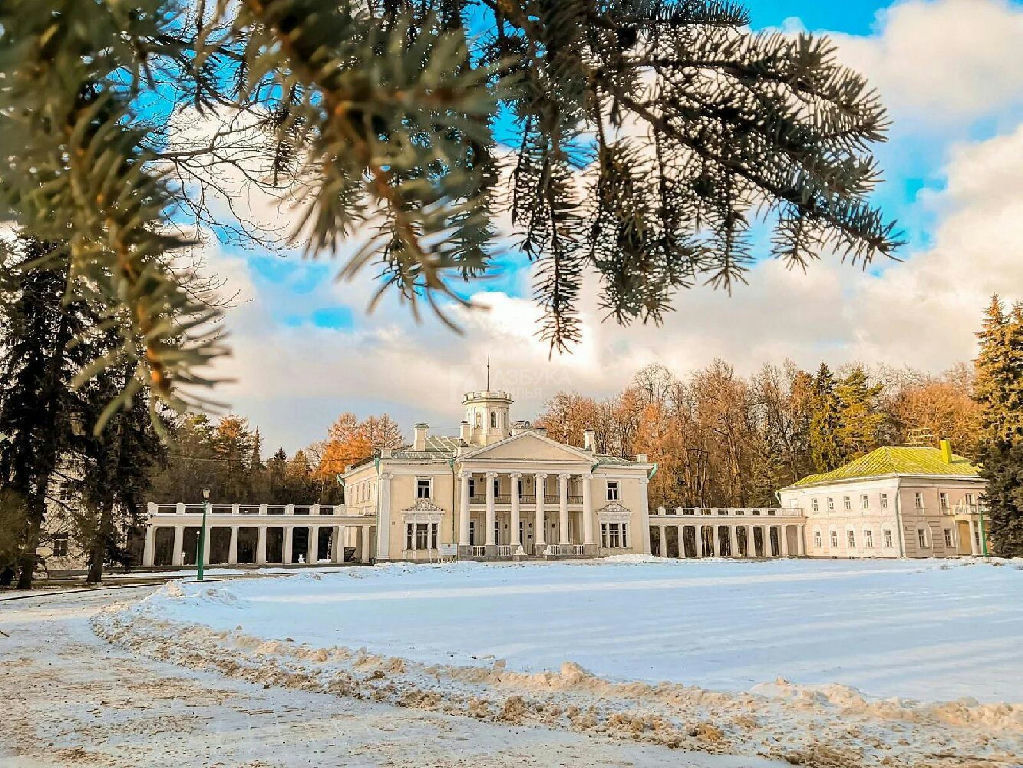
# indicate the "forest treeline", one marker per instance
pixel 721 439
pixel 226 456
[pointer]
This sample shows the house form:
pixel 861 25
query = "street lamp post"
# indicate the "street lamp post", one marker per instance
pixel 201 554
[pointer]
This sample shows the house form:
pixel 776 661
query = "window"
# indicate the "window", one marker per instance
pixel 497 532
pixel 423 488
pixel 851 536
pixel 472 487
pixel 519 484
pixel 948 537
pixel 472 533
pixel 613 535
pixel 831 504
pixel 493 419
pixel 497 486
pixel 814 505
pixel 834 539
pixel 969 499
pixel 943 501
pixel 65 493
pixel 864 501
pixel 612 490
pixel 887 533
pixel 918 500
pixel 421 536
pixel 846 503
pixel 60 545
pixel 921 537
pixel 817 543
pixel 884 501
pixel 868 538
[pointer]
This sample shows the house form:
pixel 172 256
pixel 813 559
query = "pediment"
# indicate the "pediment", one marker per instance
pixel 530 446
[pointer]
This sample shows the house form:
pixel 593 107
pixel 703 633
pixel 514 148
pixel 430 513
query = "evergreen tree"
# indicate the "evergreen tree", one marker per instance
pixel 861 418
pixel 825 421
pixel 999 390
pixel 38 409
pixel 116 463
pixel 649 135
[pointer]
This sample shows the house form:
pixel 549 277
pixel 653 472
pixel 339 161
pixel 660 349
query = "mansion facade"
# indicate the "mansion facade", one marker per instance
pixel 500 490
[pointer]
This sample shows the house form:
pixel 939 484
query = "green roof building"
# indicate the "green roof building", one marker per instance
pixel 896 501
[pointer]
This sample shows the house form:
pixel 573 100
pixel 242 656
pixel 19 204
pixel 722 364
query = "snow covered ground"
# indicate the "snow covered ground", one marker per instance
pixel 928 630
pixel 755 660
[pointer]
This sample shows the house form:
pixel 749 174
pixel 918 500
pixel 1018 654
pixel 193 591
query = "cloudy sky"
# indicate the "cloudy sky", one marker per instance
pixel 949 73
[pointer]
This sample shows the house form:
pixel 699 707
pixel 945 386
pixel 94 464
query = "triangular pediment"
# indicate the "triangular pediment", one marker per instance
pixel 531 446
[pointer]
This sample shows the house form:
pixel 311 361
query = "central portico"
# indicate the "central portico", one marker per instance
pixel 501 490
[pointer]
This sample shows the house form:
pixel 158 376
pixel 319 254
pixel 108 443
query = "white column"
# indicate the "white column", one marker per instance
pixel 313 550
pixel 367 544
pixel 337 544
pixel 288 537
pixel 540 523
pixel 209 543
pixel 586 480
pixel 699 539
pixel 515 517
pixel 783 540
pixel 716 545
pixel 644 514
pixel 149 551
pixel 733 541
pixel 751 542
pixel 765 535
pixel 974 550
pixel 463 507
pixel 261 545
pixel 232 550
pixel 383 517
pixel 178 555
pixel 491 522
pixel 681 540
pixel 563 508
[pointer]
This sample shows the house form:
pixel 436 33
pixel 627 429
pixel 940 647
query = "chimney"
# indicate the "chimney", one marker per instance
pixel 465 432
pixel 946 450
pixel 419 443
pixel 641 458
pixel 589 440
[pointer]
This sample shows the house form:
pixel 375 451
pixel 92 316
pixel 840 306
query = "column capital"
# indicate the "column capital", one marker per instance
pixel 464 474
pixel 564 475
pixel 541 475
pixel 492 473
pixel 586 475
pixel 516 475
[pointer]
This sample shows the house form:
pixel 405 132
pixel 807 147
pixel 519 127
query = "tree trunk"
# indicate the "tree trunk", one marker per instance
pixel 98 549
pixel 27 560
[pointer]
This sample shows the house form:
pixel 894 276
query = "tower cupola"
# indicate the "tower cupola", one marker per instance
pixel 488 415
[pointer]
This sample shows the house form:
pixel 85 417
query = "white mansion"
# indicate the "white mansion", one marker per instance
pixel 502 490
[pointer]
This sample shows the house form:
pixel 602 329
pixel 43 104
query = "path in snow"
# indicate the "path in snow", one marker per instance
pixel 70 699
pixel 932 630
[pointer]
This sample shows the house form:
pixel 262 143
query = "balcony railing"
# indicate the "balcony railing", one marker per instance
pixel 728 512
pixel 253 510
pixel 548 499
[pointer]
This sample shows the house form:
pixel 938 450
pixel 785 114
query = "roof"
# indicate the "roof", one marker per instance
pixel 437 447
pixel 895 460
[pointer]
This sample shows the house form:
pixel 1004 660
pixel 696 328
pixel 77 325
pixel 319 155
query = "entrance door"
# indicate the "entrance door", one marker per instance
pixel 964 537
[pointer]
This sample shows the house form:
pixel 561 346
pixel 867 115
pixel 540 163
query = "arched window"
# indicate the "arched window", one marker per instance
pixel 493 419
pixel 817 538
pixel 479 419
pixel 834 539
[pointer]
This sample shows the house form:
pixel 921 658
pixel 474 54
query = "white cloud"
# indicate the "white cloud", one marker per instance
pixel 944 61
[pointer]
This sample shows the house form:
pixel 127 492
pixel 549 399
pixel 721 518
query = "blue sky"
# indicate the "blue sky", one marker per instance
pixel 948 72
